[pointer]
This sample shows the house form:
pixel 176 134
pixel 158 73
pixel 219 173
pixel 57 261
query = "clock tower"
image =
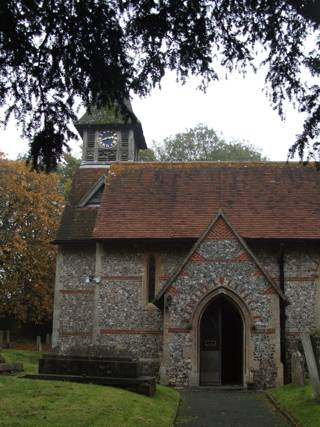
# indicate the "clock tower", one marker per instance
pixel 108 137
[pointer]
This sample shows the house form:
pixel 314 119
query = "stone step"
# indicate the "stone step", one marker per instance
pixel 141 385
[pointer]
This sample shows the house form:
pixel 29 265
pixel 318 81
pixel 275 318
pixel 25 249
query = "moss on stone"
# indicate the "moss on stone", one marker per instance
pixel 109 114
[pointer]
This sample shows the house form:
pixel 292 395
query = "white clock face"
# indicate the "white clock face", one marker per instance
pixel 107 139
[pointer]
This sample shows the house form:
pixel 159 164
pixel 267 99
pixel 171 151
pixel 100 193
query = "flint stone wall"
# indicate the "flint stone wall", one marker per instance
pixel 113 314
pixel 223 263
pixel 301 284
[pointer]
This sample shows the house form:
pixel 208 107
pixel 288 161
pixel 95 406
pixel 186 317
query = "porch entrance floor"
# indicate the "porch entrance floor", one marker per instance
pixel 204 407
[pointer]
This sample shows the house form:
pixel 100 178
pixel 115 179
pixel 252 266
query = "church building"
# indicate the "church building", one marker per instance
pixel 204 272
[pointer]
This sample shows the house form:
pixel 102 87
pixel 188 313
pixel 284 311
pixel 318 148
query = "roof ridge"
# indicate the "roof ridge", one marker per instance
pixel 215 163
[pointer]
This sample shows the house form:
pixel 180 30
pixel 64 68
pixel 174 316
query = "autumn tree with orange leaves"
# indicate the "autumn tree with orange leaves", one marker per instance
pixel 30 209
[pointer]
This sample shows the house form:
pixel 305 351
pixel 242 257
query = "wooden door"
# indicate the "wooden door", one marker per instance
pixel 210 347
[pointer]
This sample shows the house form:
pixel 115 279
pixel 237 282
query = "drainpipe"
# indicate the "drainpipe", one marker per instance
pixel 283 343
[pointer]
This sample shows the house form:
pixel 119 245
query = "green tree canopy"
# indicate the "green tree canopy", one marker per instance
pixel 203 143
pixel 54 52
pixel 147 155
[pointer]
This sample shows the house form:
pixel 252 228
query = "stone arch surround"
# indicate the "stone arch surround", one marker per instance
pixel 211 287
pixel 246 317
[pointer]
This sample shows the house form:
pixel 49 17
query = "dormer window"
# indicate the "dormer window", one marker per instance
pixel 93 197
pixel 96 198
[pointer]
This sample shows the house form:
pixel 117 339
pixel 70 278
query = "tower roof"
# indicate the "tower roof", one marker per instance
pixel 107 115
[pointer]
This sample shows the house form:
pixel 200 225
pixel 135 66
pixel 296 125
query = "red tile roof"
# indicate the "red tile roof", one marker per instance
pixel 178 200
pixel 78 223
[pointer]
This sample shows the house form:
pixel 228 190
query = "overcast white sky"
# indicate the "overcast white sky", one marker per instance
pixel 237 107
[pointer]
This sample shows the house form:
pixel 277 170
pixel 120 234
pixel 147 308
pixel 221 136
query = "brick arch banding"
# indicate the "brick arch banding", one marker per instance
pixel 209 287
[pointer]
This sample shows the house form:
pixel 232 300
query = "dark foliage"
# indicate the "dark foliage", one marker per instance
pixel 53 51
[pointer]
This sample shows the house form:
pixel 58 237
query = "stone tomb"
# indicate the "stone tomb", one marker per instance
pixel 116 371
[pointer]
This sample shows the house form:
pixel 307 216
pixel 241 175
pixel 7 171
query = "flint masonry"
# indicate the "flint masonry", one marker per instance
pixel 205 272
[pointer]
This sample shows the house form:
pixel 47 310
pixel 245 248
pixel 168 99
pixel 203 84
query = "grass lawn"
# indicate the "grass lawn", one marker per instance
pixel 28 358
pixel 38 403
pixel 299 403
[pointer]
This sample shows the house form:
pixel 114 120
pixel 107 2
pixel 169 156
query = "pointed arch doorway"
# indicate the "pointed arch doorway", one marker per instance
pixel 221 344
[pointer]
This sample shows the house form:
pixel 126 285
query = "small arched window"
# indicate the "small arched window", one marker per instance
pixel 151 278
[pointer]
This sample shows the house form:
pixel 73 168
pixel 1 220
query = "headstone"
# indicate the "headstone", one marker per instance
pixel 312 365
pixel 39 345
pixel 7 338
pixel 297 369
pixel 1 339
